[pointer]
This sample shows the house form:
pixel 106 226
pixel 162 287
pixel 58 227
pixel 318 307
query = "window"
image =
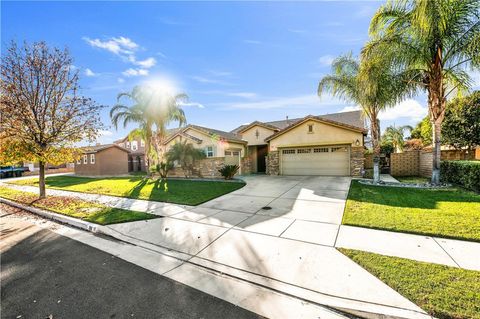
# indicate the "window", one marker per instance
pixel 339 149
pixel 128 144
pixel 228 153
pixel 134 145
pixel 304 150
pixel 320 150
pixel 92 158
pixel 236 153
pixel 85 161
pixel 209 151
pixel 79 161
pixel 310 128
pixel 142 143
pixel 288 152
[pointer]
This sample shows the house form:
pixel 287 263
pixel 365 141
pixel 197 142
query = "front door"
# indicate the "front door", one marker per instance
pixel 261 154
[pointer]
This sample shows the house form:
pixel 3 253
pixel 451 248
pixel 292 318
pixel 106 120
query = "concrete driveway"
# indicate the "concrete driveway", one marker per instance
pixel 278 231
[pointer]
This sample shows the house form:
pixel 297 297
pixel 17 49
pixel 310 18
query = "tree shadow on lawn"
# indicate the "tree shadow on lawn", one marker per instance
pixel 409 197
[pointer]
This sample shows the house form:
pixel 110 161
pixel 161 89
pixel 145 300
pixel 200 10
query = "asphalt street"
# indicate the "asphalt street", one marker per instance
pixel 45 275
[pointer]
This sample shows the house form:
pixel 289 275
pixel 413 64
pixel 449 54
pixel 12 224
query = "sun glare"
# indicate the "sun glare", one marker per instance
pixel 163 85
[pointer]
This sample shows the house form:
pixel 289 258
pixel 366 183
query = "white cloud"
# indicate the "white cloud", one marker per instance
pixel 120 45
pixel 252 41
pixel 246 95
pixel 121 80
pixel 300 101
pixel 89 72
pixel 408 109
pixel 147 63
pixel 194 104
pixel 326 60
pixel 135 72
pixel 350 108
pixel 202 79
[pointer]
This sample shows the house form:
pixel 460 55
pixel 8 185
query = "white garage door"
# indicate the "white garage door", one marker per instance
pixel 316 160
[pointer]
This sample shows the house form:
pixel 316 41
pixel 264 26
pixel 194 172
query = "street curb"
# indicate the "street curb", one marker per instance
pixel 91 227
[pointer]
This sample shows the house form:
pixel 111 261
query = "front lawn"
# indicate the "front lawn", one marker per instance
pixel 74 207
pixel 189 192
pixel 451 213
pixel 413 179
pixel 444 292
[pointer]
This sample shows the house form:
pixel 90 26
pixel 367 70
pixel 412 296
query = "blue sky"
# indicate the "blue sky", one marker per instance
pixel 237 61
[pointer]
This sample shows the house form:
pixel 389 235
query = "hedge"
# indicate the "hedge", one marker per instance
pixel 463 173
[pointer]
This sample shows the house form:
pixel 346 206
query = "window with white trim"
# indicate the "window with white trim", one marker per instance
pixel 209 151
pixel 92 158
pixel 142 143
pixel 288 152
pixel 339 149
pixel 85 159
pixel 128 144
pixel 320 150
pixel 134 145
pixel 304 150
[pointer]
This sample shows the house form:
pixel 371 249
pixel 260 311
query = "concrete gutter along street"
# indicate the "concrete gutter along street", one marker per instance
pixel 270 248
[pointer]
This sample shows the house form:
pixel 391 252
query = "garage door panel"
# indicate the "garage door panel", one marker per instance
pixel 316 160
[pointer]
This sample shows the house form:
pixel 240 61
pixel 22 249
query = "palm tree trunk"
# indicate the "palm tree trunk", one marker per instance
pixel 376 147
pixel 437 145
pixel 148 141
pixel 41 179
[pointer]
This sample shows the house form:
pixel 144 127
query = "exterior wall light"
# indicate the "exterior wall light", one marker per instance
pixel 357 142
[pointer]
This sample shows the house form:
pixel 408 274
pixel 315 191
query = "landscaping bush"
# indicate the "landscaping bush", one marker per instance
pixel 463 173
pixel 228 171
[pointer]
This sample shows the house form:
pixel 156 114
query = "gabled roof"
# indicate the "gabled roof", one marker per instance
pixel 352 118
pixel 98 148
pixel 255 123
pixel 320 119
pixel 207 131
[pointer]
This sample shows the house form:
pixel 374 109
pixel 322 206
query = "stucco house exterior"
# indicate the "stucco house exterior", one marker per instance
pixel 102 160
pixel 330 144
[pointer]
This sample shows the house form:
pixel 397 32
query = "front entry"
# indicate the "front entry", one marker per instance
pixel 261 154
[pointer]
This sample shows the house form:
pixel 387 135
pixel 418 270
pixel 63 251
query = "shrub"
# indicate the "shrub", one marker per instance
pixel 463 173
pixel 162 169
pixel 228 171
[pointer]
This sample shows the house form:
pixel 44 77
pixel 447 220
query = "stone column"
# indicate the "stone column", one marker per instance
pixel 273 163
pixel 357 160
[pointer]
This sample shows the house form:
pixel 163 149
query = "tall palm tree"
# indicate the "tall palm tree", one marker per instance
pixel 433 43
pixel 367 84
pixel 396 135
pixel 138 113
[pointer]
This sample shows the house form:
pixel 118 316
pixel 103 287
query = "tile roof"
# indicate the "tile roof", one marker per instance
pixel 98 148
pixel 353 118
pixel 213 132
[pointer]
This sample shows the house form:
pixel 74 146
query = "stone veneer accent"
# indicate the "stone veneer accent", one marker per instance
pixel 208 167
pixel 357 160
pixel 273 163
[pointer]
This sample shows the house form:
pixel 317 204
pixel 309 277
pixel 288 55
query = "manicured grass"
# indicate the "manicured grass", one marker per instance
pixel 189 192
pixel 444 292
pixel 413 179
pixel 451 213
pixel 74 207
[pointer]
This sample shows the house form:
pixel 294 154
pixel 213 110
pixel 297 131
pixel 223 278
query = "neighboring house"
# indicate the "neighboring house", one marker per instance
pixel 330 144
pixel 103 160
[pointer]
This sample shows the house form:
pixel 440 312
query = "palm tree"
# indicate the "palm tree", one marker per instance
pixel 186 154
pixel 432 43
pixel 367 84
pixel 169 111
pixel 138 113
pixel 396 135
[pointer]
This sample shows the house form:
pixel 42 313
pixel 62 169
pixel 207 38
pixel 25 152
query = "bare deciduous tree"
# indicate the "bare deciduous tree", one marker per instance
pixel 42 113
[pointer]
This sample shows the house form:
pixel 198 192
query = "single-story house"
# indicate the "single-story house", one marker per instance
pixel 103 160
pixel 330 144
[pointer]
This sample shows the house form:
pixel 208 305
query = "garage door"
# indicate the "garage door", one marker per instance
pixel 316 160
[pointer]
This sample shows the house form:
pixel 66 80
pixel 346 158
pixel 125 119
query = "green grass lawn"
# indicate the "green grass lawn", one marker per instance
pixel 413 179
pixel 74 207
pixel 444 292
pixel 189 192
pixel 451 213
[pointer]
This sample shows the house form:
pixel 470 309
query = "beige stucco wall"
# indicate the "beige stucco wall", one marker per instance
pixel 323 134
pixel 108 162
pixel 250 135
pixel 218 146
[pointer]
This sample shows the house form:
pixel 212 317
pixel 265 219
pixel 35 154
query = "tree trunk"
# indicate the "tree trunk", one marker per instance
pixel 376 147
pixel 147 154
pixel 437 144
pixel 41 179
